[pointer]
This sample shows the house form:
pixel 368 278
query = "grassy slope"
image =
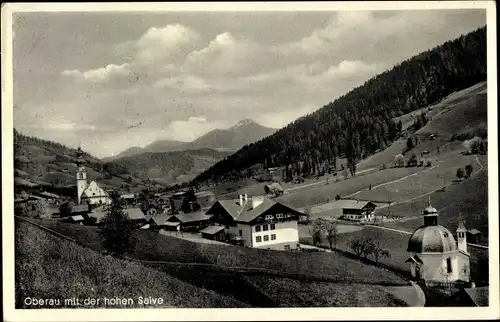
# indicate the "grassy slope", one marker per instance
pixel 157 247
pixel 290 293
pixel 460 112
pixel 48 267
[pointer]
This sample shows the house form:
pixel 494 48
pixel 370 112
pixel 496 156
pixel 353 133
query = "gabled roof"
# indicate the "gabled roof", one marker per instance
pixel 80 208
pixel 134 213
pixel 212 230
pixel 415 259
pixel 474 231
pixel 84 192
pixel 190 217
pixel 49 195
pixel 353 204
pixel 128 196
pixel 479 295
pixel 160 219
pixel 247 213
pixel 77 218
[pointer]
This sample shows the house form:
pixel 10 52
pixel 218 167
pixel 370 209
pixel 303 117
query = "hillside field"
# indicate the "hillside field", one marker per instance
pixel 49 267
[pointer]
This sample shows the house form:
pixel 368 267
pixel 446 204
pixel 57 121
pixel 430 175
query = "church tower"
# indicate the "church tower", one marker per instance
pixel 81 175
pixel 462 237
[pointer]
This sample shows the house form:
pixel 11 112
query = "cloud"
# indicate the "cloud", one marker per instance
pixel 185 83
pixel 192 128
pixel 227 55
pixel 71 127
pixel 99 74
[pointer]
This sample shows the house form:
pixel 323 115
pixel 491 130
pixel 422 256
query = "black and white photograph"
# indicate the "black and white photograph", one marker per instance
pixel 268 156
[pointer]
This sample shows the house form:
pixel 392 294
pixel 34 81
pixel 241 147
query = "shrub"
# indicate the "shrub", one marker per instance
pixel 399 160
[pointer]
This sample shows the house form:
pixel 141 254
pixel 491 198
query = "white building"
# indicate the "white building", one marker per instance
pixel 259 222
pixel 435 255
pixel 89 193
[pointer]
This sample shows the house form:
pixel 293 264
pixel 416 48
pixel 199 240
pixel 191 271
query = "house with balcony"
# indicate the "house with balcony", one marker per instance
pixel 258 222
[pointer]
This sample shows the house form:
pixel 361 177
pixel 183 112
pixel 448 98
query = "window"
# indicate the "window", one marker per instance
pixel 241 233
pixel 269 217
pixel 266 238
pixel 445 234
pixel 258 239
pixel 287 247
pixel 273 237
pixel 448 265
pixel 273 227
pixel 257 229
pixel 279 216
pixel 265 228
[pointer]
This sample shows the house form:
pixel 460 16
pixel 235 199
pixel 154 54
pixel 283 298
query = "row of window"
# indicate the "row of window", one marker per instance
pixel 265 227
pixel 258 239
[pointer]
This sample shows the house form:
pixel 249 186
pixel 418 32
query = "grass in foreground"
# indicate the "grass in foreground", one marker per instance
pixel 290 293
pixel 156 247
pixel 49 267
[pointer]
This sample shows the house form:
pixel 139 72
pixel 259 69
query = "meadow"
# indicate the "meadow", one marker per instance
pixel 151 246
pixel 48 267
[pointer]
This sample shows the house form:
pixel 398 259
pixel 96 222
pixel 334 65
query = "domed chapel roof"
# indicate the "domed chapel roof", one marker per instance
pixel 432 239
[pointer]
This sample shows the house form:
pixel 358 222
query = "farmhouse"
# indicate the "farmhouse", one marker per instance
pixel 259 222
pixel 88 193
pixel 435 255
pixel 194 221
pixel 357 210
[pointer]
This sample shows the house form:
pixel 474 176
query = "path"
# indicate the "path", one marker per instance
pixel 421 195
pixel 322 181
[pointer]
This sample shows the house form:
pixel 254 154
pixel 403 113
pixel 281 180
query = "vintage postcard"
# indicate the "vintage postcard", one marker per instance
pixel 249 161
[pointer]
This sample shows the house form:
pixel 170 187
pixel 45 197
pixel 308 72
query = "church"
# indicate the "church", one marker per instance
pixel 88 193
pixel 436 257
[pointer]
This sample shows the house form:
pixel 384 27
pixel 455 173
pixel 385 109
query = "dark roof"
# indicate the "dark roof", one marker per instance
pixel 248 213
pixel 353 204
pixel 479 295
pixel 212 230
pixel 431 239
pixel 80 208
pixel 191 217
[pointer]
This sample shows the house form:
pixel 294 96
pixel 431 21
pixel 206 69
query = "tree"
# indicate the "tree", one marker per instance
pixel 413 160
pixel 65 209
pixel 316 232
pixel 331 231
pixel 468 170
pixel 409 144
pixel 117 231
pixel 399 161
pixel 361 246
pixel 307 212
pixel 460 173
pixel 377 251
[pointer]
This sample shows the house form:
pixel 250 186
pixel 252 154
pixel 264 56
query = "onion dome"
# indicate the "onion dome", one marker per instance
pixel 432 239
pixel 79 157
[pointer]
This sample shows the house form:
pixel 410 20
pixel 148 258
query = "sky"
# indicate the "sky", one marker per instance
pixel 109 81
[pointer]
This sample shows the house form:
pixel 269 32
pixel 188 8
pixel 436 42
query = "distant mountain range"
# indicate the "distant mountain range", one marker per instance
pixel 232 139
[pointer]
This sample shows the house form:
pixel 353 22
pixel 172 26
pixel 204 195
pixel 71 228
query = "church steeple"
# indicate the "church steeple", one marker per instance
pixel 461 235
pixel 81 174
pixel 430 215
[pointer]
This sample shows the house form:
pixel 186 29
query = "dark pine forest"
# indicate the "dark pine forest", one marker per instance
pixel 361 122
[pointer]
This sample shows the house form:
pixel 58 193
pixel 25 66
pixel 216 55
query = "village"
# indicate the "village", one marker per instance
pixel 252 160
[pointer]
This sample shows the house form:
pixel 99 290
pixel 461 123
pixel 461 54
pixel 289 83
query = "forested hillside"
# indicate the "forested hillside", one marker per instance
pixel 48 163
pixel 361 122
pixel 170 167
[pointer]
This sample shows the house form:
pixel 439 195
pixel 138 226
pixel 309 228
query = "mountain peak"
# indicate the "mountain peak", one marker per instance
pixel 243 123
